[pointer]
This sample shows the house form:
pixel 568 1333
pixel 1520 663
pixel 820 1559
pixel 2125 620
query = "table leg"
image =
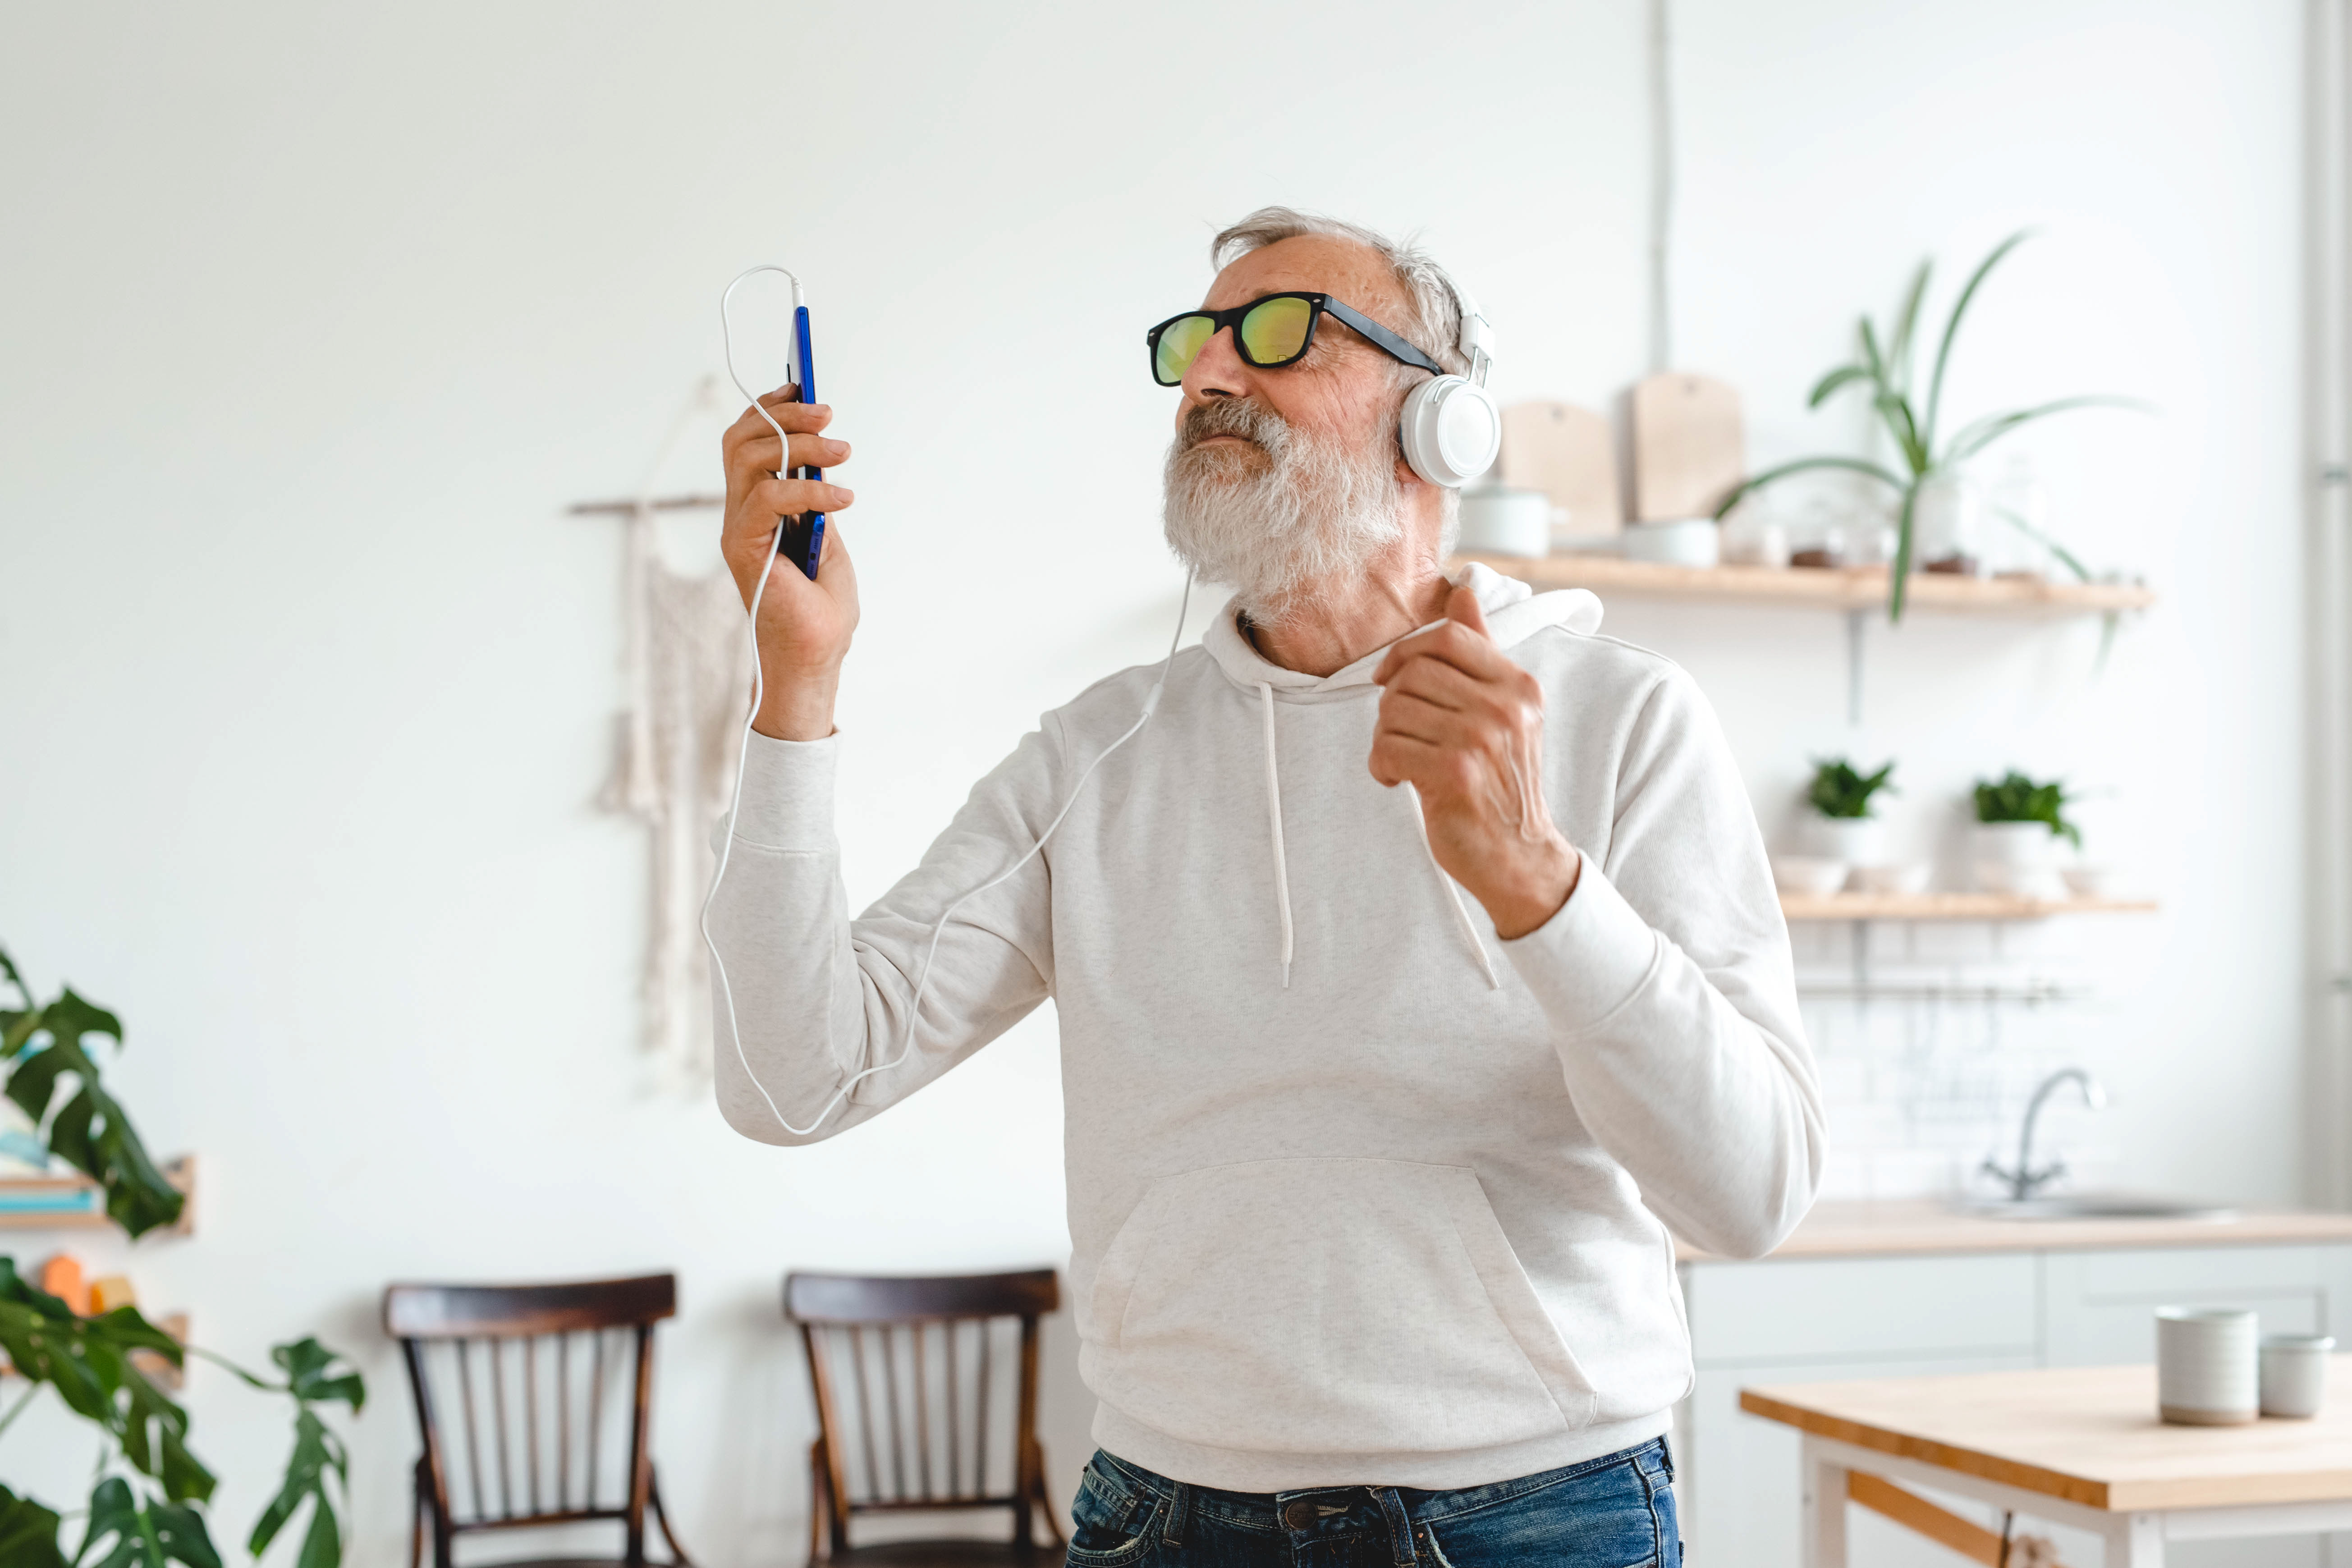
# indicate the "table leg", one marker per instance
pixel 2136 1541
pixel 1825 1487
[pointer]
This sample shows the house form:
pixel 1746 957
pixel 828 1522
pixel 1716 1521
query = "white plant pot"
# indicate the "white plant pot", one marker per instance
pixel 1857 841
pixel 2019 857
pixel 1506 522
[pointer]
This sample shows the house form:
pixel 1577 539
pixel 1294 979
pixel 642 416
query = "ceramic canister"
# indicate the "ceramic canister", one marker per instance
pixel 2294 1375
pixel 2206 1366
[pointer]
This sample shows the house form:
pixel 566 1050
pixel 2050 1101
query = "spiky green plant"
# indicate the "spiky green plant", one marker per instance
pixel 2013 797
pixel 1840 790
pixel 1884 370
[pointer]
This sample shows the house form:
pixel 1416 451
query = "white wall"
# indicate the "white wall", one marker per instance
pixel 316 319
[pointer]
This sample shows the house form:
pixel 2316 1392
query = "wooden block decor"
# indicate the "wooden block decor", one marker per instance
pixel 1571 455
pixel 1689 446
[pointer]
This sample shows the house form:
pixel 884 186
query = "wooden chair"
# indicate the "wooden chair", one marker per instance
pixel 530 1366
pixel 913 1411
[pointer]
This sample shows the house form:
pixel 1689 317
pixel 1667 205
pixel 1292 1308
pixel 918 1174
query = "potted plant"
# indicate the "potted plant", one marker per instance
pixel 147 1501
pixel 1842 827
pixel 2018 822
pixel 1931 490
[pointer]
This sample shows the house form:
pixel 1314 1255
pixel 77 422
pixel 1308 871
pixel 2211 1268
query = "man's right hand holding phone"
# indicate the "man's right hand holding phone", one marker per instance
pixel 803 624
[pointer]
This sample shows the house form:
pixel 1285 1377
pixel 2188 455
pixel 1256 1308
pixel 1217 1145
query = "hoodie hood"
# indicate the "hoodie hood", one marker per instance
pixel 1514 612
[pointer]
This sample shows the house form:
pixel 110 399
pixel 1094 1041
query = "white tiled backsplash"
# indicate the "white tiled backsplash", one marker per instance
pixel 1929 1049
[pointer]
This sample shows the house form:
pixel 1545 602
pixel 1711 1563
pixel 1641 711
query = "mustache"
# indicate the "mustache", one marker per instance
pixel 1231 416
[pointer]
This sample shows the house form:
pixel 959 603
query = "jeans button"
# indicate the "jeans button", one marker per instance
pixel 1299 1514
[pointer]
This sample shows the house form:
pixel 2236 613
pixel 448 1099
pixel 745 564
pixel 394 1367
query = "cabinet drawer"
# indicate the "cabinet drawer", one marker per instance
pixel 2199 1270
pixel 1863 1307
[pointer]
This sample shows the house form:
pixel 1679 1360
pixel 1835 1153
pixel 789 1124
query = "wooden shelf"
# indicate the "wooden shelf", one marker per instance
pixel 1826 588
pixel 1947 907
pixel 180 1173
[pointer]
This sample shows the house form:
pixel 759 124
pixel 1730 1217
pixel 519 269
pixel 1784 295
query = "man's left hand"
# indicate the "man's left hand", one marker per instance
pixel 1462 724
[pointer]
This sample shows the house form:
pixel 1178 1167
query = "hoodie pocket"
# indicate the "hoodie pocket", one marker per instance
pixel 1328 1306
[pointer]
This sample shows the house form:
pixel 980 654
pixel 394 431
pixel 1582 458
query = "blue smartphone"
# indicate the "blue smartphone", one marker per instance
pixel 802 538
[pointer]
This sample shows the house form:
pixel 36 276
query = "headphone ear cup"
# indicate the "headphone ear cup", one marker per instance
pixel 1451 430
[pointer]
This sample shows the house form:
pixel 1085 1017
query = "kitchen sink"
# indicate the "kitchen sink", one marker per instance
pixel 2098 1206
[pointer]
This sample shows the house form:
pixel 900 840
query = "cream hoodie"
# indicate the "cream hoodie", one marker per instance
pixel 1359 1193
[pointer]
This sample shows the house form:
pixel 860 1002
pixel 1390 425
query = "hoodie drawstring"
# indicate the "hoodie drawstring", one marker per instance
pixel 1274 821
pixel 1454 893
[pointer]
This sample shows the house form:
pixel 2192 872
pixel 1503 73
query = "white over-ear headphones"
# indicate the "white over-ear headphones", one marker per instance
pixel 1450 429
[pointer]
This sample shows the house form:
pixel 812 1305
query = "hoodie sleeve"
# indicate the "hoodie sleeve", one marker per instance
pixel 1669 986
pixel 818 998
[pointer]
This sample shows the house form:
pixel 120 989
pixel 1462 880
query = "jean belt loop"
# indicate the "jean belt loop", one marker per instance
pixel 1399 1526
pixel 1175 1534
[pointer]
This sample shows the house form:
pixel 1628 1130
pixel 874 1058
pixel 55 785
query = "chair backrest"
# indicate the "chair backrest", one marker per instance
pixel 926 1391
pixel 523 1394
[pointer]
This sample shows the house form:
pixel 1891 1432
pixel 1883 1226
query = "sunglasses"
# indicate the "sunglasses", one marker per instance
pixel 1275 330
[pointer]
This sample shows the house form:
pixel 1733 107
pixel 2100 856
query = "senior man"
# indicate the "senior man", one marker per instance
pixel 1369 1182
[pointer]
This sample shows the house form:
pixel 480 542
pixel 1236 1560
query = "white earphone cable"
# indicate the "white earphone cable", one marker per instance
pixel 743 751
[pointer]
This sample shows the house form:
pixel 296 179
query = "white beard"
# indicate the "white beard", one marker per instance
pixel 1284 524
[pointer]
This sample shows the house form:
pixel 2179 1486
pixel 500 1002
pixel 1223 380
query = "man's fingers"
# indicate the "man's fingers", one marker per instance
pixel 1463 609
pixel 771 498
pixel 1471 651
pixel 760 453
pixel 795 417
pixel 1435 770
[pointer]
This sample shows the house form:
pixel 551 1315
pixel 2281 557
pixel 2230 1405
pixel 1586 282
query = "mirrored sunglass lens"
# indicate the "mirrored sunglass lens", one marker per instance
pixel 1180 345
pixel 1274 331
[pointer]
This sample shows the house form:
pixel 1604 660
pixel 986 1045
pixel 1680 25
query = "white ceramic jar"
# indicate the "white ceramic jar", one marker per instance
pixel 2206 1366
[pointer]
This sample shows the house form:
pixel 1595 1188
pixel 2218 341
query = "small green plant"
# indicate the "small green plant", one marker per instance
pixel 2013 797
pixel 1839 791
pixel 147 1503
pixel 1884 370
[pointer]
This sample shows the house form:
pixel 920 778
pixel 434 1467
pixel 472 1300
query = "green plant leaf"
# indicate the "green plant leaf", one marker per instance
pixel 2066 557
pixel 1897 412
pixel 1839 791
pixel 1898 347
pixel 29 1534
pixel 88 1361
pixel 310 1375
pixel 145 1533
pixel 1899 579
pixel 1952 328
pixel 1758 481
pixel 2014 797
pixel 1976 434
pixel 1833 380
pixel 90 1132
pixel 313 1377
pixel 1871 357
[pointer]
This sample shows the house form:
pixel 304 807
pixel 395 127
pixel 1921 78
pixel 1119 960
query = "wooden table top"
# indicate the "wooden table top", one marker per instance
pixel 2088 1435
pixel 1849 1229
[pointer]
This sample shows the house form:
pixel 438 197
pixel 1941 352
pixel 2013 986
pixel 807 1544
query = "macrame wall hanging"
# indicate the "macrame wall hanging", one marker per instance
pixel 686 682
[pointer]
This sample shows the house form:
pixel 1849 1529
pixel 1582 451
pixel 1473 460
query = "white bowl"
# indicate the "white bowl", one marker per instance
pixel 1813 875
pixel 2091 882
pixel 1506 522
pixel 1910 878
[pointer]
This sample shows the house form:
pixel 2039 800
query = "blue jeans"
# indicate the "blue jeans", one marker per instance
pixel 1617 1511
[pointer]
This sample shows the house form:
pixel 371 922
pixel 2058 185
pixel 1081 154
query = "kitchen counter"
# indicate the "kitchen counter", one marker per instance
pixel 1928 1226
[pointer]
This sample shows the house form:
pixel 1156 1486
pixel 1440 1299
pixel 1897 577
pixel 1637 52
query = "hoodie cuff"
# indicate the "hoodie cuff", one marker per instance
pixel 787 800
pixel 1589 959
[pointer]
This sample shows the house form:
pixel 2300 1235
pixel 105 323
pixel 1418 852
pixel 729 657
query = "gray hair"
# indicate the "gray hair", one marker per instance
pixel 1435 326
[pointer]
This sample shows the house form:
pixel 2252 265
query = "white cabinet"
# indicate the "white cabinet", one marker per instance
pixel 1814 1320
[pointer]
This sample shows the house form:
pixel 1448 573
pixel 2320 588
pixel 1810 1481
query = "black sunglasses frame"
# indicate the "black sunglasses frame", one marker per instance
pixel 1371 331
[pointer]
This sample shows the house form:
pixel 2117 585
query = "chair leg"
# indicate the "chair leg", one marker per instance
pixel 1045 1504
pixel 661 1517
pixel 416 1523
pixel 817 1510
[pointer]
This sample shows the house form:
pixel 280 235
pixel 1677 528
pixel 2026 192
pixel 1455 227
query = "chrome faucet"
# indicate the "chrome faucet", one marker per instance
pixel 2025 1181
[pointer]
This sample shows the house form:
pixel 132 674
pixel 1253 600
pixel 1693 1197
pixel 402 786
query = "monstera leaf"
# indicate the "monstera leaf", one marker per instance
pixel 312 1378
pixel 128 1529
pixel 88 1361
pixel 41 1050
pixel 28 1534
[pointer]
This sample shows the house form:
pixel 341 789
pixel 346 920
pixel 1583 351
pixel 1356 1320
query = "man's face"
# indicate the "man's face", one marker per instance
pixel 1344 388
pixel 1287 482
